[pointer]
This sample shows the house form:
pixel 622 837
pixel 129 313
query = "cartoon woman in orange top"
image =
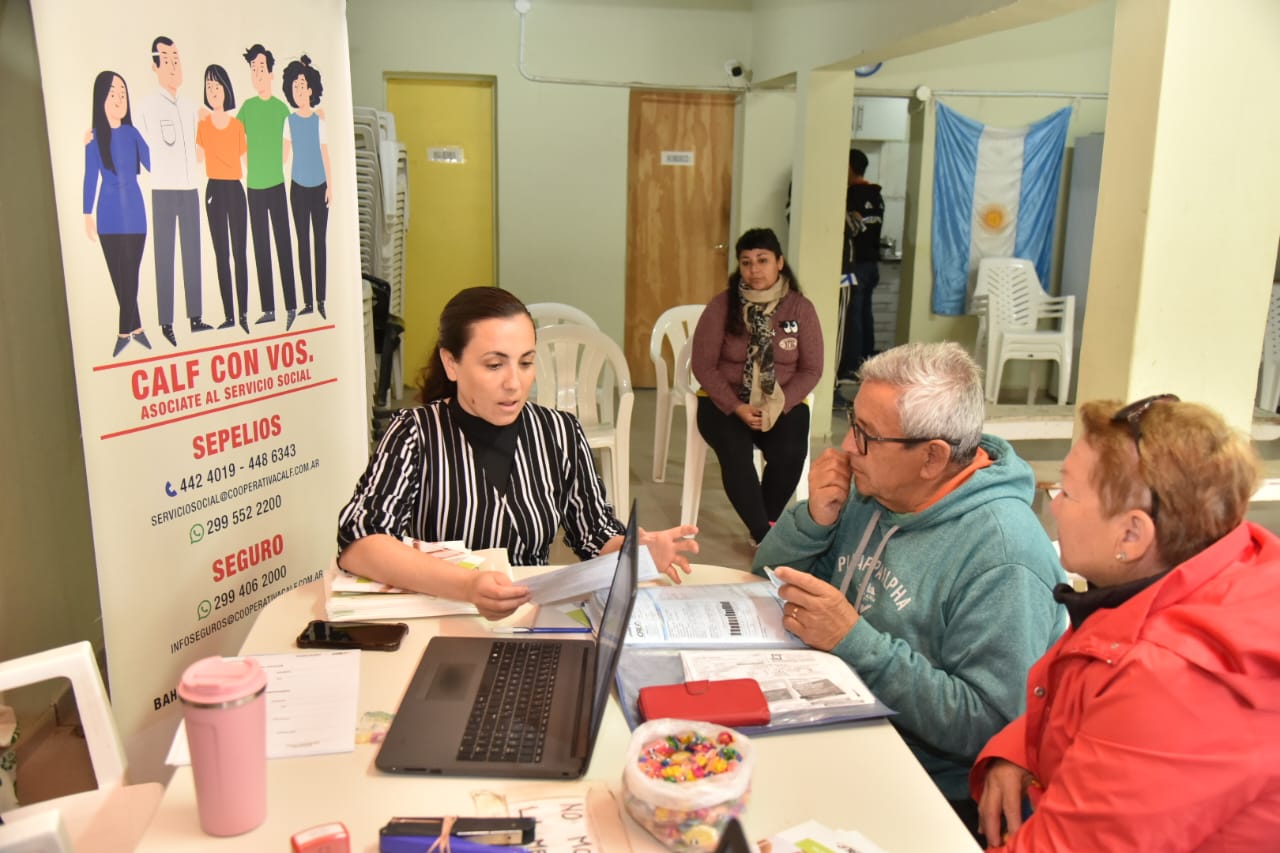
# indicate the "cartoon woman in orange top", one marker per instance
pixel 222 145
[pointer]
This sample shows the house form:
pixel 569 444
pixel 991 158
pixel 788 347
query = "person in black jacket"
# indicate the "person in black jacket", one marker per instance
pixel 863 216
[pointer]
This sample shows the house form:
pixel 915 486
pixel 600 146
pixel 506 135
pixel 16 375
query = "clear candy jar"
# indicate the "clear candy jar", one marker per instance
pixel 684 780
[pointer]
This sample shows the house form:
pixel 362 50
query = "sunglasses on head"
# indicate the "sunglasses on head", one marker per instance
pixel 1132 415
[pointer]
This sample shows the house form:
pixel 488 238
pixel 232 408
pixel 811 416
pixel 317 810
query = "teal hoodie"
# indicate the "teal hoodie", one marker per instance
pixel 956 605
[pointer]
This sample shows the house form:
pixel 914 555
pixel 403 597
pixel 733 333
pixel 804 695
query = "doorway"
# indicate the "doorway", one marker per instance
pixel 447 127
pixel 679 193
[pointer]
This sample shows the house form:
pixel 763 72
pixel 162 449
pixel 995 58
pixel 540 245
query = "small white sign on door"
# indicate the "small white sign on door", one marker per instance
pixel 446 154
pixel 677 158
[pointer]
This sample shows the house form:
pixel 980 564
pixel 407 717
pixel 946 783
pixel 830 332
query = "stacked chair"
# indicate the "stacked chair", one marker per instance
pixel 1011 305
pixel 382 184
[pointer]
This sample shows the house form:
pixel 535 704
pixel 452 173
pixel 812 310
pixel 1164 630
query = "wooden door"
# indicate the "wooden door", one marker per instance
pixel 446 126
pixel 679 189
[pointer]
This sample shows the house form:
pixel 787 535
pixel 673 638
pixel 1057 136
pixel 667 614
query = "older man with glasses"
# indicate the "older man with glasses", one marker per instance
pixel 918 560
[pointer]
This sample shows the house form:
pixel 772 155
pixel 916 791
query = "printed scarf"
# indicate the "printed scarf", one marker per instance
pixel 759 384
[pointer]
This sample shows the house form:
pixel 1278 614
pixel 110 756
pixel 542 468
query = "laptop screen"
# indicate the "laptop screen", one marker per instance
pixel 613 624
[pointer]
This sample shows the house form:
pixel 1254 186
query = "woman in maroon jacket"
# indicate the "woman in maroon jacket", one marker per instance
pixel 1154 723
pixel 757 352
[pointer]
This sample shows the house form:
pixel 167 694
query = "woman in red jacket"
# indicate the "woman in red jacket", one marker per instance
pixel 1154 722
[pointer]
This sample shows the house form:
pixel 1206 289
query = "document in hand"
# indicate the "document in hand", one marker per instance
pixel 351 597
pixel 576 581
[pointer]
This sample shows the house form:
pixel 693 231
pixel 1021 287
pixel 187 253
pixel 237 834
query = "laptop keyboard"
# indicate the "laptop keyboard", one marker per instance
pixel 509 718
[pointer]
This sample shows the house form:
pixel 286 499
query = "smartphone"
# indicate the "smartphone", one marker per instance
pixel 372 636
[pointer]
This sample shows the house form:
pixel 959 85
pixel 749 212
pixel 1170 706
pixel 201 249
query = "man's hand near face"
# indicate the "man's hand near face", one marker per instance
pixel 830 478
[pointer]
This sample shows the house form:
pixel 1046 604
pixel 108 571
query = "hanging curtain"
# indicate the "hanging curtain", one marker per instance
pixel 995 194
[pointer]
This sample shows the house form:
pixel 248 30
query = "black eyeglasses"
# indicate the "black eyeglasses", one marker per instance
pixel 861 437
pixel 1132 415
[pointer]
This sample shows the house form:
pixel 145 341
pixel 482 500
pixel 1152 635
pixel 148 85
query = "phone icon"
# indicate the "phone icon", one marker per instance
pixel 169 489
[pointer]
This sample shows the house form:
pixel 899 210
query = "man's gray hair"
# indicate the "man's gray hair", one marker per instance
pixel 942 392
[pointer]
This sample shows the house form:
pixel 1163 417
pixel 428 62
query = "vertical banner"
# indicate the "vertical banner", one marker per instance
pixel 204 173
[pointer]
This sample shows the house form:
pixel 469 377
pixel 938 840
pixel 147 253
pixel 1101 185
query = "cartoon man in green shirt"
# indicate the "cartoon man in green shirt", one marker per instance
pixel 263 118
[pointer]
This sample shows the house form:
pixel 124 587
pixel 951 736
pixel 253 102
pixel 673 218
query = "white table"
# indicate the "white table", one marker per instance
pixel 859 776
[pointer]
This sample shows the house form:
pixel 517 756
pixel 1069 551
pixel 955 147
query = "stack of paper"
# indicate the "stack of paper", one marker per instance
pixel 348 596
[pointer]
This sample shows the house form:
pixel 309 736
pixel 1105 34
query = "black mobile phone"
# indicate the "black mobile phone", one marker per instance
pixel 371 636
pixel 482 830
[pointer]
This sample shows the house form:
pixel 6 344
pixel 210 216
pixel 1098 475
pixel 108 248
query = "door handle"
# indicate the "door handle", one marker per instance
pixel 720 246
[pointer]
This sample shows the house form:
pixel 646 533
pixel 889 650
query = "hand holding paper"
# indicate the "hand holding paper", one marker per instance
pixel 814 610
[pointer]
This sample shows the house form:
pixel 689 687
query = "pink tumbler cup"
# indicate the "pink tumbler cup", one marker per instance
pixel 226 715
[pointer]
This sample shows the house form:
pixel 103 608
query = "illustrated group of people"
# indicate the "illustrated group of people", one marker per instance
pixel 239 152
pixel 1140 714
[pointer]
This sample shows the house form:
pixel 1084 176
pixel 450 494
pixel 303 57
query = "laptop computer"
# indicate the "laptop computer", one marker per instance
pixel 452 723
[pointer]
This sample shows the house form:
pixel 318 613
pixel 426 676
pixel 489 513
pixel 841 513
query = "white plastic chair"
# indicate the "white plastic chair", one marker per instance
pixel 117 811
pixel 673 328
pixel 1015 304
pixel 1269 378
pixel 556 313
pixel 572 364
pixel 546 314
pixel 695 447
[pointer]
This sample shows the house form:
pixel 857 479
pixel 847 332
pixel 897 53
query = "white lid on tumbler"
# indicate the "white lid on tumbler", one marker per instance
pixel 217 682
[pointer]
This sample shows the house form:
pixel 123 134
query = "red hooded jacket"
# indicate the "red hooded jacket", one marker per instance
pixel 1156 724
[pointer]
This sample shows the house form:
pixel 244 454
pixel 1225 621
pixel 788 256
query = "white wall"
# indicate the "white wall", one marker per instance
pixel 562 150
pixel 793 36
pixel 767 138
pixel 1067 54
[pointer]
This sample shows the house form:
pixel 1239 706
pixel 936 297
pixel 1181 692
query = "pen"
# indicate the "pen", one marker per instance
pixel 541 630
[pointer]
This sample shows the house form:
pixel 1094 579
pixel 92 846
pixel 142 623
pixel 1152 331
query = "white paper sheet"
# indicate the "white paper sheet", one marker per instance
pixel 577 581
pixel 311 705
pixel 812 835
pixel 791 679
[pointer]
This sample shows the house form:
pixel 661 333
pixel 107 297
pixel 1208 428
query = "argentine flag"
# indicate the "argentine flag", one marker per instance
pixel 995 195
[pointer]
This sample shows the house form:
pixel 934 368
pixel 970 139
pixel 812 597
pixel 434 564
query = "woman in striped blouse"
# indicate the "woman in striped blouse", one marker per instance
pixel 479 463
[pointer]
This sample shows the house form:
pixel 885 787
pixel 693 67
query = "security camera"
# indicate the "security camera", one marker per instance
pixel 733 68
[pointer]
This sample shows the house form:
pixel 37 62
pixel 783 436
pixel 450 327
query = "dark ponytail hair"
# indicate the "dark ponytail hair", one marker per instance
pixel 756 238
pixel 102 127
pixel 462 312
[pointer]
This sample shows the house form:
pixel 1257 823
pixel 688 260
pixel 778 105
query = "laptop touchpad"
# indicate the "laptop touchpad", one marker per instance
pixel 451 682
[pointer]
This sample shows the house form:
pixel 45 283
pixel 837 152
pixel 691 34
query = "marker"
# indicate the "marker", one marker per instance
pixel 538 630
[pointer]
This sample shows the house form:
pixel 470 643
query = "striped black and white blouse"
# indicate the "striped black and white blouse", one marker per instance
pixel 423 482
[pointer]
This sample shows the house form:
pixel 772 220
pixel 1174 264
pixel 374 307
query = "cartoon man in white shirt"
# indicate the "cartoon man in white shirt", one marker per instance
pixel 168 123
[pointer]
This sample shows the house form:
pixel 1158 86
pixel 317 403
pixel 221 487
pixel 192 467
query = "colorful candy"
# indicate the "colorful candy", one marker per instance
pixel 688 756
pixel 686 782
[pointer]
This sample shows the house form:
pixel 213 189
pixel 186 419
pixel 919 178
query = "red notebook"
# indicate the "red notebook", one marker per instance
pixel 733 702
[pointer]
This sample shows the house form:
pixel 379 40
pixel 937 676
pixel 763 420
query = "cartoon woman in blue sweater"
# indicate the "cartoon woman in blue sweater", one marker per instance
pixel 309 189
pixel 117 153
